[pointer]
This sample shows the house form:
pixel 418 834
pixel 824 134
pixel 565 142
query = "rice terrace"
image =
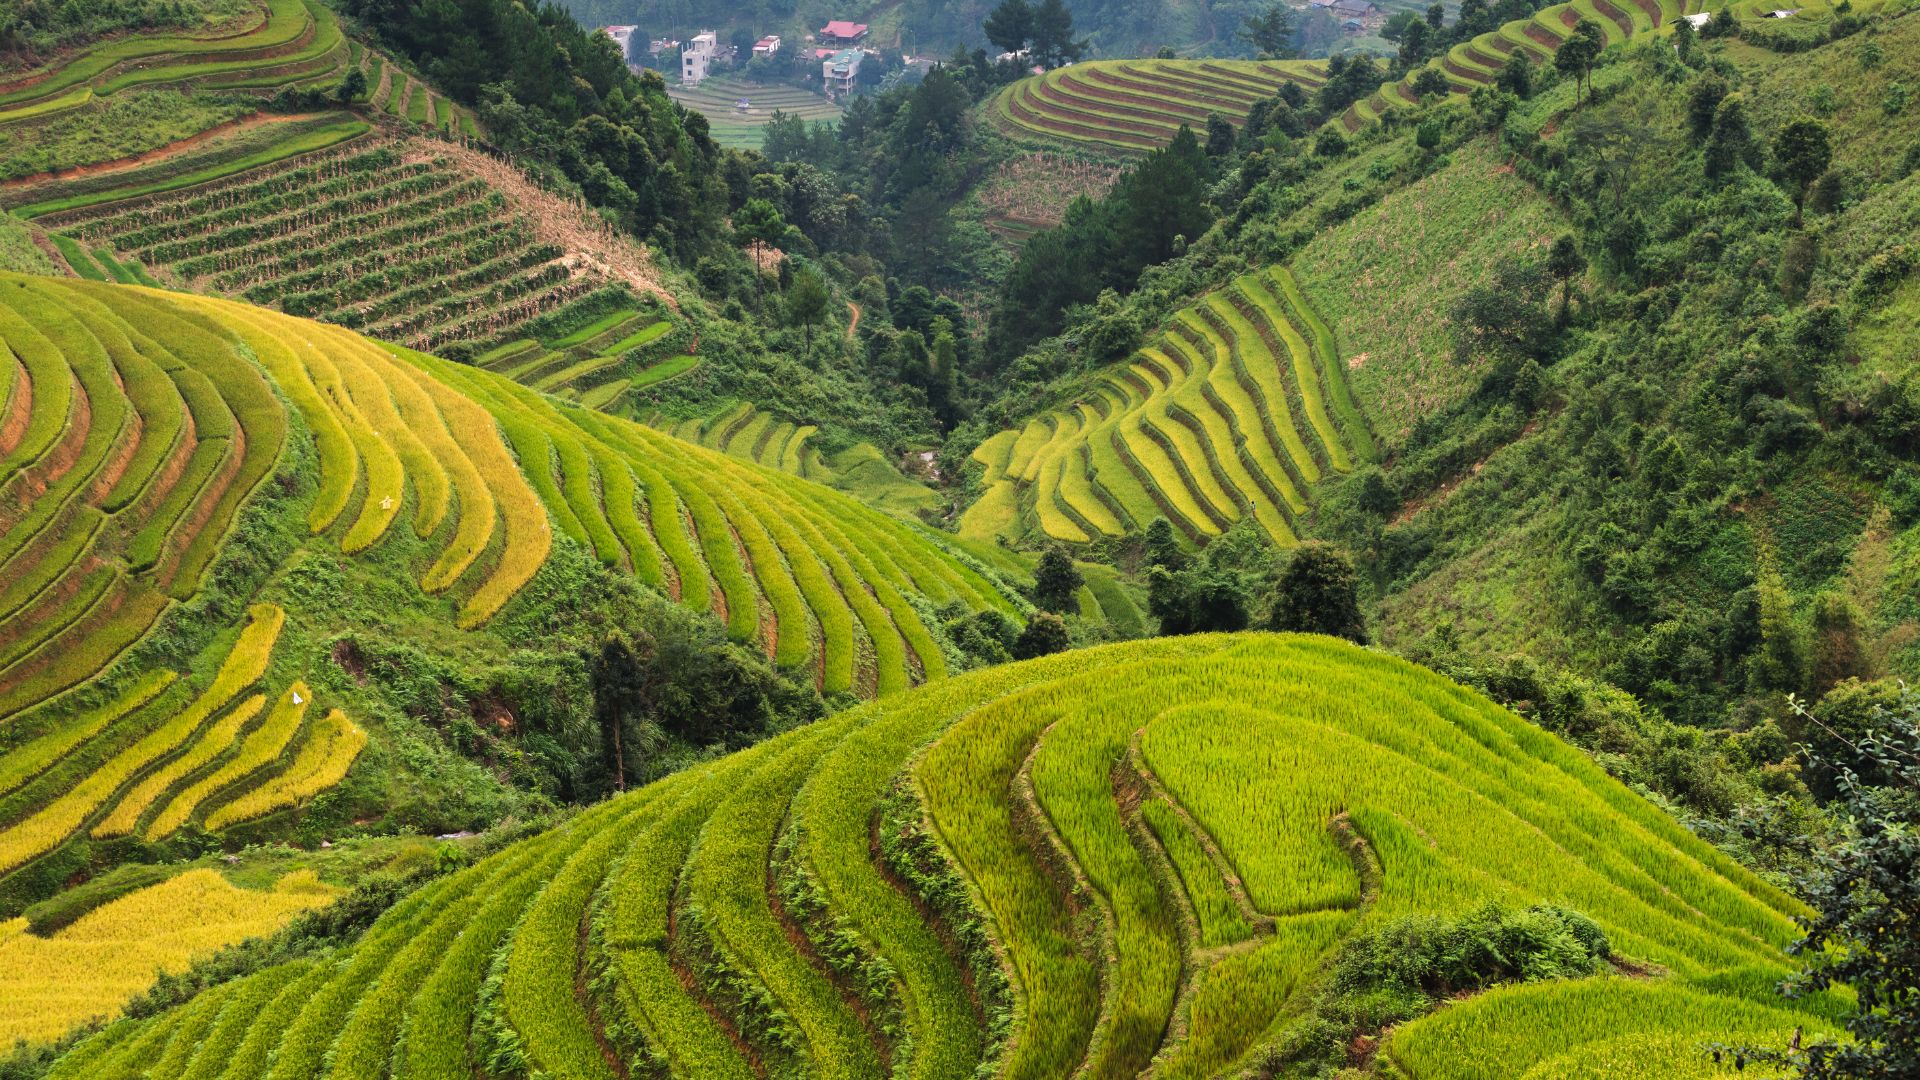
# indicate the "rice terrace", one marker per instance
pixel 1032 540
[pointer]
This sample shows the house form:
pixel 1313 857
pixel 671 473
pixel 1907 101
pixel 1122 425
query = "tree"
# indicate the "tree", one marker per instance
pixel 1056 581
pixel 1044 635
pixel 1437 16
pixel 1865 894
pixel 1703 101
pixel 1685 41
pixel 1163 545
pixel 1516 77
pixel 1579 51
pixel 1430 81
pixel 352 88
pixel 1270 31
pixel 1196 599
pixel 1330 143
pixel 1414 43
pixel 1052 35
pixel 807 303
pixel 1010 25
pixel 1731 144
pixel 1219 136
pixel 1319 593
pixel 1505 319
pixel 1565 263
pixel 759 220
pixel 1802 152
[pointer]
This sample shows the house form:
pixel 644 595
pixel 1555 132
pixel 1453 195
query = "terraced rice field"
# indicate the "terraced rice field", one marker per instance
pixel 1475 63
pixel 395 240
pixel 87 971
pixel 1142 852
pixel 1238 409
pixel 861 470
pixel 167 751
pixel 1132 106
pixel 396 93
pixel 719 100
pixel 293 43
pixel 122 463
pixel 818 580
pixel 596 365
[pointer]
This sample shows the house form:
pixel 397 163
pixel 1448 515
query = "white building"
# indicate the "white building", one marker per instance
pixel 622 36
pixel 767 46
pixel 697 55
pixel 841 71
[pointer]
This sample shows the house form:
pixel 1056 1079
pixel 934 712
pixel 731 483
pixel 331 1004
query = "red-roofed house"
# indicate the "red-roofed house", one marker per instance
pixel 841 32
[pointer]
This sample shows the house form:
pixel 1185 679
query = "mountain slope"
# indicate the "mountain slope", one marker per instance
pixel 266 578
pixel 1165 842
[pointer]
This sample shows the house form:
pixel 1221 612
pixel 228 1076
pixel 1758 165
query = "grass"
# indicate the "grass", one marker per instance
pixel 1379 279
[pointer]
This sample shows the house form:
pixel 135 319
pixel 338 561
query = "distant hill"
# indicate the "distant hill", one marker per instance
pixel 1138 856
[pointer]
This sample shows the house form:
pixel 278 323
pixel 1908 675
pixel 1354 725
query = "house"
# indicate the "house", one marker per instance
pixel 622 36
pixel 841 71
pixel 767 46
pixel 843 33
pixel 1357 16
pixel 698 55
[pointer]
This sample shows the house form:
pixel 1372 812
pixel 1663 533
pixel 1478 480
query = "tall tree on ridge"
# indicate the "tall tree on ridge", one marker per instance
pixel 1010 25
pixel 1052 35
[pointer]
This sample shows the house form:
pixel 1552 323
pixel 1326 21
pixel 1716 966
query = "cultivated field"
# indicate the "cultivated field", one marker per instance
pixel 1124 858
pixel 1238 409
pixel 1131 106
pixel 596 364
pixel 719 99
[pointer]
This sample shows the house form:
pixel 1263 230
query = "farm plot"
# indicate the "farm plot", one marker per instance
pixel 738 112
pixel 138 485
pixel 168 751
pixel 1132 106
pixel 87 971
pixel 298 42
pixel 594 365
pixel 122 464
pixel 1236 411
pixel 861 470
pixel 1139 854
pixel 394 240
pixel 813 577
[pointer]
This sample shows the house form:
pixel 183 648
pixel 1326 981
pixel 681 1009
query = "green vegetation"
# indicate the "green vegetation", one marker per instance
pixel 1297 817
pixel 113 128
pixel 1225 417
pixel 720 101
pixel 1128 106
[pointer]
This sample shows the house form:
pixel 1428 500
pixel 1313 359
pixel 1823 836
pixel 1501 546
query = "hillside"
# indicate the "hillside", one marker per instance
pixel 219 518
pixel 1132 855
pixel 235 163
pixel 1129 106
pixel 1238 411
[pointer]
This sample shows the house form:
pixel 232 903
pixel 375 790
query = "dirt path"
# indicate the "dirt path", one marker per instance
pixel 853 323
pixel 161 153
pixel 590 245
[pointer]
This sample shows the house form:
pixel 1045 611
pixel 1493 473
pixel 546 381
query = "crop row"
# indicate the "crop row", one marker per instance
pixel 1233 412
pixel 1147 845
pixel 414 249
pixel 1139 104
pixel 138 457
pixel 788 565
pixel 88 970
